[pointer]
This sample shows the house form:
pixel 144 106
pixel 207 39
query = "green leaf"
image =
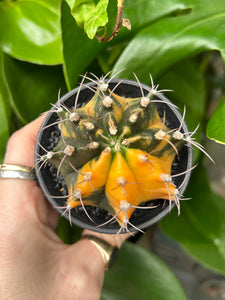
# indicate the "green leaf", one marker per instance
pixel 200 227
pixel 138 274
pixel 38 87
pixel 67 233
pixel 89 16
pixel 159 46
pixel 142 13
pixel 80 11
pixel 188 89
pixel 96 19
pixel 5 109
pixel 4 127
pixel 30 30
pixel 4 90
pixel 216 125
pixel 78 49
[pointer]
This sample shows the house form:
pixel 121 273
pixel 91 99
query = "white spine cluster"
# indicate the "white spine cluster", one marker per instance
pixel 113 130
pixel 69 150
pixel 133 118
pixel 89 125
pixel 74 117
pixel 93 145
pixel 77 193
pixel 103 86
pixel 117 147
pixel 107 101
pixel 107 150
pixel 160 135
pixel 178 135
pixel 143 158
pixel 124 205
pixel 145 101
pixel 121 180
pixel 166 177
pixel 125 142
pixel 49 155
pixel 88 175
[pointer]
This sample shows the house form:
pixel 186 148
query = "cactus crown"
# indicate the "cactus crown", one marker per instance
pixel 116 152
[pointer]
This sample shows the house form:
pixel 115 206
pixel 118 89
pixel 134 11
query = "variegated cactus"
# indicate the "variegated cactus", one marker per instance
pixel 116 153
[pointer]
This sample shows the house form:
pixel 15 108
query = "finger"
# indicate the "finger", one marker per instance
pixel 20 147
pixel 44 210
pixel 20 150
pixel 23 201
pixel 85 263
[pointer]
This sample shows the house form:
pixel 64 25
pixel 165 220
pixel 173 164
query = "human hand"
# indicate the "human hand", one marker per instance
pixel 34 262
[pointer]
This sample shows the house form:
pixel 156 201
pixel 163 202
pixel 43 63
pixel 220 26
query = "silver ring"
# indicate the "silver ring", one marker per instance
pixel 17 171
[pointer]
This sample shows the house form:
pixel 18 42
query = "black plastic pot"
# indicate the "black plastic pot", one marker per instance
pixel 55 190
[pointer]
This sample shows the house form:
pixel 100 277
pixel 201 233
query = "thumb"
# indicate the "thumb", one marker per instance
pixel 84 262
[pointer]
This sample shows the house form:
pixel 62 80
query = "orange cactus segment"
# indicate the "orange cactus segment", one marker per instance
pixel 150 172
pixel 121 187
pixel 93 174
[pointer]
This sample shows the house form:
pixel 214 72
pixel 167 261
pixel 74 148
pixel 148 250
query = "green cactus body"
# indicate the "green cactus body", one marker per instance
pixel 115 153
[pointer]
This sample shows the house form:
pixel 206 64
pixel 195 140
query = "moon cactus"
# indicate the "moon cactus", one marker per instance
pixel 116 152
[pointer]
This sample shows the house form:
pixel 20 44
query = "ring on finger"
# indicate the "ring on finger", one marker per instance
pixel 17 172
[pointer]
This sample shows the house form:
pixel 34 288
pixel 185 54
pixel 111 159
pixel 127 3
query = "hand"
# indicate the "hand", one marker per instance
pixel 34 262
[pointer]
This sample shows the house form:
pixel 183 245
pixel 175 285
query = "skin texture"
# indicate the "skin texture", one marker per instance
pixel 34 262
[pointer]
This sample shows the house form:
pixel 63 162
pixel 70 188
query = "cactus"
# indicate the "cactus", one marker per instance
pixel 116 153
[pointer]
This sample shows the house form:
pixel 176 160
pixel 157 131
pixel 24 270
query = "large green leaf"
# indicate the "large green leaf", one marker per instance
pixel 161 45
pixel 4 90
pixel 188 88
pixel 5 109
pixel 32 87
pixel 216 125
pixel 30 30
pixel 78 49
pixel 4 127
pixel 142 13
pixel 138 274
pixel 201 225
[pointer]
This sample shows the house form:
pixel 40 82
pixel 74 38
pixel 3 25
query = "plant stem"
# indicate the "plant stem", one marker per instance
pixel 120 4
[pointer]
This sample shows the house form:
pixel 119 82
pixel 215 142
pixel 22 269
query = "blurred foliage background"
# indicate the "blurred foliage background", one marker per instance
pixel 46 45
